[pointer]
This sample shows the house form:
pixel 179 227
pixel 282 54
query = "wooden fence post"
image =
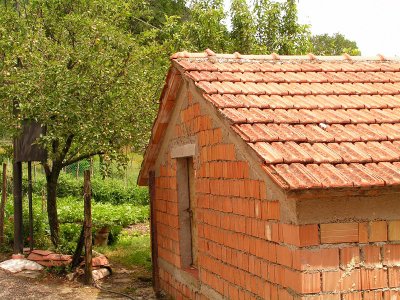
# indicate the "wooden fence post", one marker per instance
pixel 88 228
pixel 3 203
pixel 18 221
pixel 30 204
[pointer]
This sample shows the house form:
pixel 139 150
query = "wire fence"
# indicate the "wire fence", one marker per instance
pixel 127 172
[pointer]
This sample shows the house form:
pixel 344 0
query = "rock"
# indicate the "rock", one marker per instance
pixel 100 260
pixel 17 265
pixel 100 273
pixel 42 252
pixel 49 259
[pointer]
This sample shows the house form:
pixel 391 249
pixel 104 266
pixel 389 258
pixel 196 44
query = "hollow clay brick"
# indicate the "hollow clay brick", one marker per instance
pixel 394 230
pixel 391 255
pixel 341 280
pixel 373 295
pixel 373 279
pixel 352 296
pixel 378 231
pixel 372 256
pixel 316 259
pixel 339 233
pixel 349 257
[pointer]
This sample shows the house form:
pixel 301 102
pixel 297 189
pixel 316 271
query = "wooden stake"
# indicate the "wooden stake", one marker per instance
pixel 30 205
pixel 88 228
pixel 17 193
pixel 3 203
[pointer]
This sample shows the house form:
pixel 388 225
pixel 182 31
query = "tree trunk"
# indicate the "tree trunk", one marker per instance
pixel 52 179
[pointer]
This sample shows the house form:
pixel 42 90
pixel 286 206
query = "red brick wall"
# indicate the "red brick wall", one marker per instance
pixel 245 252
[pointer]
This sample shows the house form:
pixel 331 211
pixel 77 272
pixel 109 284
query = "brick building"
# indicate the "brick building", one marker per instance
pixel 276 178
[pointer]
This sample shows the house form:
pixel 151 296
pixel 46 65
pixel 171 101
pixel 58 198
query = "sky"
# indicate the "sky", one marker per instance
pixel 373 24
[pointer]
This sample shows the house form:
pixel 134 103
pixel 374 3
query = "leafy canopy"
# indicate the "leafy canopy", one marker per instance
pixel 74 67
pixel 278 29
pixel 243 27
pixel 335 44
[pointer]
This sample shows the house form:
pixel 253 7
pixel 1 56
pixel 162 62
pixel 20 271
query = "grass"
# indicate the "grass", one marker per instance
pixel 131 249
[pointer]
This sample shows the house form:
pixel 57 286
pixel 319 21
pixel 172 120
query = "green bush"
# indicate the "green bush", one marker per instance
pixel 105 191
pixel 114 191
pixel 40 224
pixel 70 211
pixel 69 236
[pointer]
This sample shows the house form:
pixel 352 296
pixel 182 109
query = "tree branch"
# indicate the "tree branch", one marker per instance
pixel 83 156
pixel 67 146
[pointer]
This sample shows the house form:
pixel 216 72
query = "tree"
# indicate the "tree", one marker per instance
pixel 278 29
pixel 205 26
pixel 72 66
pixel 336 44
pixel 243 27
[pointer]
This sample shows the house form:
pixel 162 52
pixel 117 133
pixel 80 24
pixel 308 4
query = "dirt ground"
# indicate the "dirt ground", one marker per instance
pixel 30 285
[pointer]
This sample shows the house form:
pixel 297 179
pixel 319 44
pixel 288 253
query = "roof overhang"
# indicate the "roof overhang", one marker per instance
pixel 166 105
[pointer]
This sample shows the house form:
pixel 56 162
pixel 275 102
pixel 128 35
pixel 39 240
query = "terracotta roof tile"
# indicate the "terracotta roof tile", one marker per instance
pixel 256 115
pixel 391 130
pixel 385 170
pixel 365 132
pixel 277 101
pixel 253 101
pixel 329 176
pixel 360 175
pixel 266 133
pixel 378 151
pixel 227 76
pixel 251 77
pixel 292 152
pixel 316 123
pixel 315 133
pixel 342 133
pixel 306 102
pixel 207 87
pixel 234 115
pixel 350 152
pixel 297 176
pixel 268 153
pixel 346 101
pixel 321 153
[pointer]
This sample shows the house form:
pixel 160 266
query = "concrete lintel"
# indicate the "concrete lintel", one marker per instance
pixel 183 151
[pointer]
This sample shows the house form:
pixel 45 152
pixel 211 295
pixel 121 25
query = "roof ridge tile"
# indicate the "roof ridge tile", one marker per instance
pixel 208 53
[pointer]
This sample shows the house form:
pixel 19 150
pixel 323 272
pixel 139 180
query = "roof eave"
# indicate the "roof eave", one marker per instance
pixel 341 191
pixel 166 105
